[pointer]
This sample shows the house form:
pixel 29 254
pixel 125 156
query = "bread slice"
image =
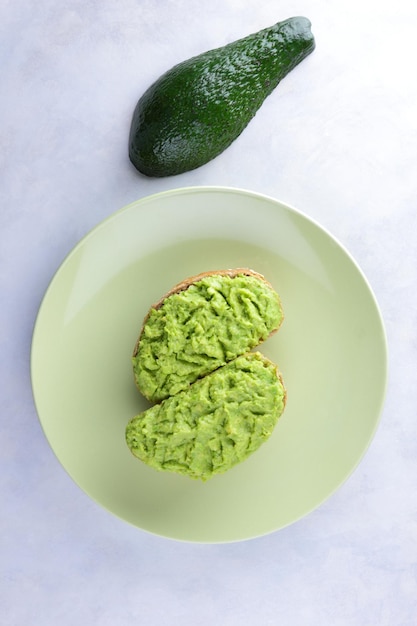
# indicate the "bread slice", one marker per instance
pixel 187 282
pixel 216 423
pixel 202 323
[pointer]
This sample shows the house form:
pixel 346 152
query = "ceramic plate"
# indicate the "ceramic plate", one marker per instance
pixel 331 350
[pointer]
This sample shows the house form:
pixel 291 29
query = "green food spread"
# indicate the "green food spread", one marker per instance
pixel 218 422
pixel 202 328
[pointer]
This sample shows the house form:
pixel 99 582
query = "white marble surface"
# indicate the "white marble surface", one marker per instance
pixel 338 139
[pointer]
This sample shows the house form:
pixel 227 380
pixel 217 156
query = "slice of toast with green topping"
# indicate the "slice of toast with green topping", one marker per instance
pixel 200 325
pixel 216 423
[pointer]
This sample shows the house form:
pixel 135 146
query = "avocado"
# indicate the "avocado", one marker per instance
pixel 216 423
pixel 210 320
pixel 195 110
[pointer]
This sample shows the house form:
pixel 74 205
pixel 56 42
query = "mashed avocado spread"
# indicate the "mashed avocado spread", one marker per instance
pixel 200 329
pixel 218 422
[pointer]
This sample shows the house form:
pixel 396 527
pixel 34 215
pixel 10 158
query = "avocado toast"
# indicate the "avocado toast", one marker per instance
pixel 215 401
pixel 201 324
pixel 216 423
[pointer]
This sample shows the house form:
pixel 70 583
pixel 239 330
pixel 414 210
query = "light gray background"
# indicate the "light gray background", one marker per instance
pixel 338 140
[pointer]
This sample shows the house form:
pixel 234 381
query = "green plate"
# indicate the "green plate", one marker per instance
pixel 331 350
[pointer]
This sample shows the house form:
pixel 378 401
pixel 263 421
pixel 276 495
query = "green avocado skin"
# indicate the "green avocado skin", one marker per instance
pixel 218 422
pixel 194 111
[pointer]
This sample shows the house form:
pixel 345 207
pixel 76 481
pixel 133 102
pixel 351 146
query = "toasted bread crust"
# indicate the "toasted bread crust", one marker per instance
pixel 277 372
pixel 279 376
pixel 187 282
